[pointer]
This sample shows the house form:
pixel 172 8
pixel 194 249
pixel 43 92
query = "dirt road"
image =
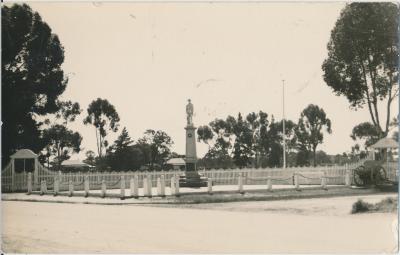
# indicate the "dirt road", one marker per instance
pixel 30 227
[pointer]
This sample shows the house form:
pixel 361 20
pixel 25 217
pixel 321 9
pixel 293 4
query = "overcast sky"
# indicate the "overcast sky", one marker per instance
pixel 147 59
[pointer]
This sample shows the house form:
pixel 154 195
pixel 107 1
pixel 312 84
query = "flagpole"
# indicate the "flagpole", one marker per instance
pixel 283 122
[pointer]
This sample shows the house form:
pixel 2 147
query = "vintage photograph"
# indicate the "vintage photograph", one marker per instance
pixel 199 127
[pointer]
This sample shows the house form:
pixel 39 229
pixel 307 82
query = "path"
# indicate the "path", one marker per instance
pixel 71 228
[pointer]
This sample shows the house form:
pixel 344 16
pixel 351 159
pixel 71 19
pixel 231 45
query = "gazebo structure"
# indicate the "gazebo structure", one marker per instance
pixel 24 160
pixel 386 144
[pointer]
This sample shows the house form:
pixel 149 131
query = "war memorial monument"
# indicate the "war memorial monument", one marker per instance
pixel 191 177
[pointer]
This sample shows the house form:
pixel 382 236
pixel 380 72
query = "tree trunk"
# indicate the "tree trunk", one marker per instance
pixel 314 156
pixel 97 143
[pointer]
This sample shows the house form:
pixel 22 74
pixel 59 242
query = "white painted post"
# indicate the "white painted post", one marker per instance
pixel 29 183
pixel 149 186
pixel 176 185
pixel 158 186
pixel 86 185
pixel 42 188
pixel 173 185
pixel 12 174
pixel 60 176
pixel 103 188
pixel 132 187
pixel 71 188
pixel 135 186
pixel 240 183
pixel 145 188
pixel 36 173
pixel 296 181
pixel 269 184
pixel 45 186
pixel 122 187
pixel 56 185
pixel 162 189
pixel 323 182
pixel 347 178
pixel 209 186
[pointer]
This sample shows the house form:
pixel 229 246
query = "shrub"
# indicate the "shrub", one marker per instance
pixel 388 204
pixel 360 206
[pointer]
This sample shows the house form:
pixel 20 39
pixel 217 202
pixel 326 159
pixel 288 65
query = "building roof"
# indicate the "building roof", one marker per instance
pixel 385 143
pixel 24 153
pixel 74 163
pixel 176 162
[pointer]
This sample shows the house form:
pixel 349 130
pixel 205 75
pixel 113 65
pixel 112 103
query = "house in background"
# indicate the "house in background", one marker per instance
pixel 176 164
pixel 75 165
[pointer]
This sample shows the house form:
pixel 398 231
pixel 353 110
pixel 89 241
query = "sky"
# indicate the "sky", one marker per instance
pixel 147 59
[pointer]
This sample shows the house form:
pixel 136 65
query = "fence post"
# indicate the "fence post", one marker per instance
pixel 158 186
pixel 269 184
pixel 29 183
pixel 296 181
pixel 132 186
pixel 122 187
pixel 149 186
pixel 103 188
pixel 240 183
pixel 162 190
pixel 60 176
pixel 145 188
pixel 12 175
pixel 42 183
pixel 347 178
pixel 135 191
pixel 86 185
pixel 56 185
pixel 176 185
pixel 71 188
pixel 323 182
pixel 173 185
pixel 209 186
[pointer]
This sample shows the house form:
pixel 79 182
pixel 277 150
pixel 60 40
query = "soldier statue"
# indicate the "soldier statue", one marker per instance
pixel 189 112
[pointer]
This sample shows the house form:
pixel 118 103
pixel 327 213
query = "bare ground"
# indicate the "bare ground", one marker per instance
pixel 304 225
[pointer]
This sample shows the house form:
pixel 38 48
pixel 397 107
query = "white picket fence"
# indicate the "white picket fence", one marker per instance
pixel 333 175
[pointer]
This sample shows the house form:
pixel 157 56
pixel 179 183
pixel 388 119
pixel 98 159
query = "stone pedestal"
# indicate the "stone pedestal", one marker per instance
pixel 191 154
pixel 191 178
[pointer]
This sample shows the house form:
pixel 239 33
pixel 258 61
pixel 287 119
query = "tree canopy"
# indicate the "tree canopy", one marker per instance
pixel 32 77
pixel 363 54
pixel 157 146
pixel 61 142
pixel 103 116
pixel 254 139
pixel 309 128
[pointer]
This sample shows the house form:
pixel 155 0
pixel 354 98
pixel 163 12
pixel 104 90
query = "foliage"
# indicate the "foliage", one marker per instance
pixel 366 131
pixel 32 78
pixel 68 111
pixel 156 146
pixel 243 144
pixel 61 142
pixel 388 204
pixel 321 158
pixel 395 136
pixel 123 141
pixel 90 158
pixel 361 206
pixel 103 116
pixel 309 129
pixel 122 155
pixel 253 140
pixel 362 62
